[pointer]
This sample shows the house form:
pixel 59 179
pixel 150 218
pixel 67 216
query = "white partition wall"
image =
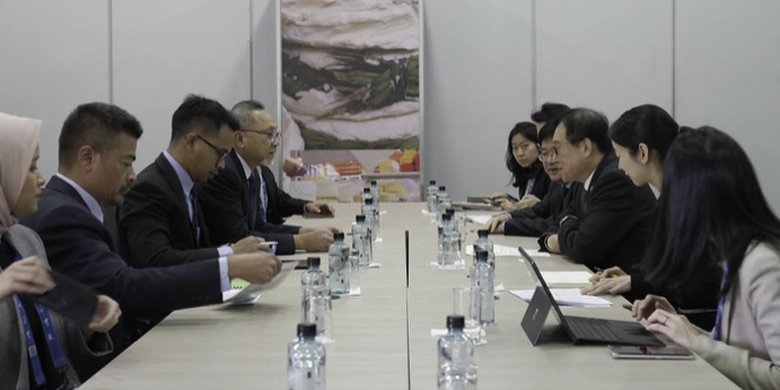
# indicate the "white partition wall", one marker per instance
pixel 609 55
pixel 487 64
pixel 164 50
pixel 53 56
pixel 477 86
pixel 728 76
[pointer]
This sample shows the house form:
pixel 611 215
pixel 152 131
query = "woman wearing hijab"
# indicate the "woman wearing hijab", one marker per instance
pixel 25 324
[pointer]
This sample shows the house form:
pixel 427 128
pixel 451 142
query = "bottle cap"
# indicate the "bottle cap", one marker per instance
pixel 455 322
pixel 442 188
pixel 480 254
pixel 446 217
pixel 360 218
pixel 483 233
pixel 367 190
pixel 313 262
pixel 432 182
pixel 307 330
pixel 373 182
pixel 450 211
pixel 338 236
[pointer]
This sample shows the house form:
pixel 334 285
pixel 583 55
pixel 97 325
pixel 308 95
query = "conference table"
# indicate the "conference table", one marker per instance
pixel 383 337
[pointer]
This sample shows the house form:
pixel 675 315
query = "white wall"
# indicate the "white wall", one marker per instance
pixel 487 65
pixel 53 56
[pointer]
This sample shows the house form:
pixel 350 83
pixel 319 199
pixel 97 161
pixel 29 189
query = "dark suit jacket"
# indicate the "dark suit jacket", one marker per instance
pixel 154 224
pixel 79 245
pixel 280 204
pixel 537 219
pixel 225 203
pixel 612 220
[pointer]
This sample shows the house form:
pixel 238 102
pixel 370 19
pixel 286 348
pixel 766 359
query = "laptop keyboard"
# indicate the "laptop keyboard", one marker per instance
pixel 594 329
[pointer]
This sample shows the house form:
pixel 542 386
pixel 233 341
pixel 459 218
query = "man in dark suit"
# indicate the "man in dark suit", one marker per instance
pixel 608 225
pixel 539 218
pixel 160 221
pixel 96 154
pixel 244 199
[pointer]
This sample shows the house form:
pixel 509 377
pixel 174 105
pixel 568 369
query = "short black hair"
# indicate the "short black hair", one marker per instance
pixel 243 110
pixel 98 125
pixel 548 130
pixel 202 115
pixel 549 111
pixel 647 124
pixel 582 123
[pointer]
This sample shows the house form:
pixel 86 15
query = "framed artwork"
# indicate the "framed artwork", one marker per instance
pixel 351 97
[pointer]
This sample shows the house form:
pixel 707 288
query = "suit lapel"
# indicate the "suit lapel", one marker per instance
pixel 169 174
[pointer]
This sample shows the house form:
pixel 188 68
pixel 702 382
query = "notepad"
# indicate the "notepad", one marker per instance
pixel 243 292
pixel 566 297
pixel 504 250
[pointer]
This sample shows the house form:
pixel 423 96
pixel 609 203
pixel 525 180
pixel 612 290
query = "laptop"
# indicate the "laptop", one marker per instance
pixel 579 329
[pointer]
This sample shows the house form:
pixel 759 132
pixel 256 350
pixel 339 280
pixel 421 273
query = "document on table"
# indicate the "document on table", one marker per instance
pixel 566 277
pixel 479 219
pixel 244 292
pixel 566 297
pixel 504 250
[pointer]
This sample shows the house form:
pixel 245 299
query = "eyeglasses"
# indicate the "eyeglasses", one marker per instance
pixel 545 155
pixel 273 134
pixel 221 153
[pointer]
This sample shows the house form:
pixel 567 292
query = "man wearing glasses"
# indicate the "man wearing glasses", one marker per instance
pixel 160 222
pixel 243 199
pixel 541 217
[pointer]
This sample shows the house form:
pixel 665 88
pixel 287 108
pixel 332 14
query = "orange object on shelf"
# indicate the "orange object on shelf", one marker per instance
pixel 410 161
pixel 348 168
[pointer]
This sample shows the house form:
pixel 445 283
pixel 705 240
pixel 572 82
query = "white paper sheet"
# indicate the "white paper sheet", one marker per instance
pixel 566 277
pixel 246 294
pixel 566 297
pixel 510 251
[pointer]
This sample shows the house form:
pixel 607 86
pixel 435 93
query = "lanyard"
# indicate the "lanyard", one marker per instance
pixel 531 183
pixel 721 303
pixel 55 351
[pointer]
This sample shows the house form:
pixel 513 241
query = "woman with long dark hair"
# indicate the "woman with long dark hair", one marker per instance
pixel 642 137
pixel 522 160
pixel 713 213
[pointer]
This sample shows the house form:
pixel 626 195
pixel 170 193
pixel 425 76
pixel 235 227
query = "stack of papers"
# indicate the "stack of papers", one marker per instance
pixel 503 250
pixel 566 297
pixel 244 293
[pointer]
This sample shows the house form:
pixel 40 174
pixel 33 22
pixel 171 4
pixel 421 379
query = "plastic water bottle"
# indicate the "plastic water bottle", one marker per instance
pixel 306 360
pixel 441 196
pixel 482 287
pixel 371 218
pixel 375 194
pixel 354 273
pixel 316 297
pixel 338 262
pixel 484 243
pixel 458 237
pixel 432 197
pixel 457 370
pixel 361 241
pixel 448 254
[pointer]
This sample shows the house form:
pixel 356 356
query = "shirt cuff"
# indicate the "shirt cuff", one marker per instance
pixel 225 251
pixel 501 227
pixel 224 280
